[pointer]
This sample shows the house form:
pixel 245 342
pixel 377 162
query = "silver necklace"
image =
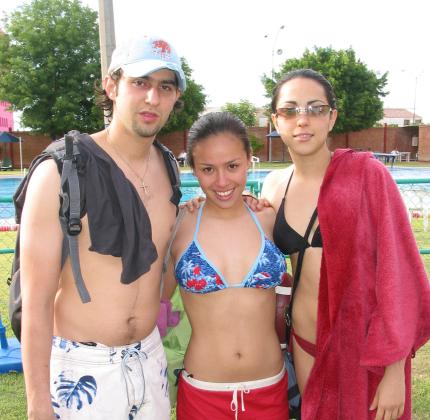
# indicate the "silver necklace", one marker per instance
pixel 141 179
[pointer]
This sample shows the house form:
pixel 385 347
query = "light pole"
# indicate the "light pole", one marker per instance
pixel 106 33
pixel 107 37
pixel 415 92
pixel 279 52
pixel 415 99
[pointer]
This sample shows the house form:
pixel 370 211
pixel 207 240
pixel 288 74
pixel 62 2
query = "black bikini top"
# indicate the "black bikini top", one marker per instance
pixel 286 238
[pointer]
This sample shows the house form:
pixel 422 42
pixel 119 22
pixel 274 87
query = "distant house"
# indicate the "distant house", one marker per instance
pixel 262 118
pixel 400 117
pixel 6 117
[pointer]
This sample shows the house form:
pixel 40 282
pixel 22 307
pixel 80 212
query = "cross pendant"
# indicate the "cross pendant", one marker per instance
pixel 145 188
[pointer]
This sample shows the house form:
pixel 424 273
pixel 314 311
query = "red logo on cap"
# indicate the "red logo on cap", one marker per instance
pixel 162 48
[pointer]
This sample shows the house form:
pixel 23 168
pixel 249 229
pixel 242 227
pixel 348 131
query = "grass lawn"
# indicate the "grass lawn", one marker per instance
pixel 12 392
pixel 12 172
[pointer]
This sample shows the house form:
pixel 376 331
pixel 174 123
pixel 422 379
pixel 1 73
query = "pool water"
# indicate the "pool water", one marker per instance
pixel 415 172
pixel 8 186
pixel 260 175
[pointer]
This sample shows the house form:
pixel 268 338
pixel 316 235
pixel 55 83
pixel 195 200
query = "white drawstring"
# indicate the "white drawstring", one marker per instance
pixel 127 354
pixel 233 405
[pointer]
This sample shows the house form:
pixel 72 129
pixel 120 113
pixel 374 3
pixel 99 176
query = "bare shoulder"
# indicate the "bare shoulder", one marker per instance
pixel 40 224
pixel 267 217
pixel 274 183
pixel 44 182
pixel 185 231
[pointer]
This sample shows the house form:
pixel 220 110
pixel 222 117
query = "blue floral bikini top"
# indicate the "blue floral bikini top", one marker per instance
pixel 196 274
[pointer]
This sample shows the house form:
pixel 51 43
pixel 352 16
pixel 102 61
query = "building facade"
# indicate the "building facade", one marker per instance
pixel 400 117
pixel 6 117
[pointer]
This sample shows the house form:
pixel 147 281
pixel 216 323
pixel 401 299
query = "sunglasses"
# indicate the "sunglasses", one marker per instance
pixel 311 110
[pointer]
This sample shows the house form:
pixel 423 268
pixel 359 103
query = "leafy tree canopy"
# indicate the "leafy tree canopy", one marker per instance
pixel 49 62
pixel 194 101
pixel 244 110
pixel 358 90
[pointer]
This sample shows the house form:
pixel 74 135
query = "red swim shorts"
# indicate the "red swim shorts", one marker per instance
pixel 263 399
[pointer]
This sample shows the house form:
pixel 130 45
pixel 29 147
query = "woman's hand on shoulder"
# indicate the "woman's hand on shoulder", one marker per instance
pixel 267 218
pixel 389 400
pixel 254 203
pixel 193 204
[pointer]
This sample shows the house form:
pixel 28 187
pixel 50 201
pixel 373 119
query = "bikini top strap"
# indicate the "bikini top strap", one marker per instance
pixel 297 276
pixel 302 254
pixel 199 218
pixel 310 225
pixel 256 221
pixel 288 184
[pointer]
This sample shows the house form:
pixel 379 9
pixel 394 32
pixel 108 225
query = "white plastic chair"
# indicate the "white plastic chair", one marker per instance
pixel 254 160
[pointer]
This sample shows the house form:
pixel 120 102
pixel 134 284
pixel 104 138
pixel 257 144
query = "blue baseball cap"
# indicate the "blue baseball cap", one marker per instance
pixel 141 56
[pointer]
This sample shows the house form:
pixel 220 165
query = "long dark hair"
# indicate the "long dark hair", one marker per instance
pixel 306 74
pixel 215 123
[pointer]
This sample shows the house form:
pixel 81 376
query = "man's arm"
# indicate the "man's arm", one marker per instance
pixel 169 284
pixel 40 250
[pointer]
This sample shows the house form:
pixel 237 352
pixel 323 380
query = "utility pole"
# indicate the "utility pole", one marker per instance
pixel 279 51
pixel 272 74
pixel 106 33
pixel 415 98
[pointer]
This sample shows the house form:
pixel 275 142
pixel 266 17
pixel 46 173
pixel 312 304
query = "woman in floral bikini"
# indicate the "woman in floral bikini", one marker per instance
pixel 227 268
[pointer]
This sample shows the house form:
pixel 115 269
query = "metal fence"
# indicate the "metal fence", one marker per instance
pixel 8 230
pixel 415 192
pixel 416 196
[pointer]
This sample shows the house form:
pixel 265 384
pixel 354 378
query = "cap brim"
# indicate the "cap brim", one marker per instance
pixel 146 67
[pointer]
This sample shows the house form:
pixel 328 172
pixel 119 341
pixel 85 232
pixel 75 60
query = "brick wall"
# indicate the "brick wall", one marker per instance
pixel 32 145
pixel 176 142
pixel 424 143
pixel 372 139
pixel 399 138
pixel 378 139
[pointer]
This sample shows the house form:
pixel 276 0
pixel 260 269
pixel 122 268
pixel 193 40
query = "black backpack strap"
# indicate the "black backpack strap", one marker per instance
pixel 70 213
pixel 289 312
pixel 173 172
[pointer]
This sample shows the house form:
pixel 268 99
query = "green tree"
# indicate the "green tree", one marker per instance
pixel 358 90
pixel 49 62
pixel 256 143
pixel 244 110
pixel 194 101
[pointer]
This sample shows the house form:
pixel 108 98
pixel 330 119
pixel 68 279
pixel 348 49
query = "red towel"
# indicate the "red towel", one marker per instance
pixel 374 296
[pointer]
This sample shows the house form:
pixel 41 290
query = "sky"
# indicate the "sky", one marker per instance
pixel 229 43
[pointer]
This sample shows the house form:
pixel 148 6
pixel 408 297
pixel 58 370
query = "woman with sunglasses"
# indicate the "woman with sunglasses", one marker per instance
pixel 227 268
pixel 361 295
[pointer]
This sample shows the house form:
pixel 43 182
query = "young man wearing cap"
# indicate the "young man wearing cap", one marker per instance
pixel 104 359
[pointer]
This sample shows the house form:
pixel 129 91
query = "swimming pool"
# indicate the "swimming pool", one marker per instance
pixel 8 186
pixel 396 172
pixel 410 172
pixel 252 175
